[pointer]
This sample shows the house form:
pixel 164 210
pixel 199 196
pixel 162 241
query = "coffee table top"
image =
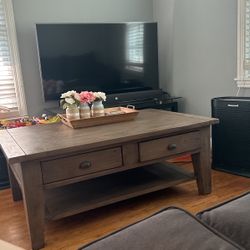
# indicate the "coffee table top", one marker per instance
pixel 35 142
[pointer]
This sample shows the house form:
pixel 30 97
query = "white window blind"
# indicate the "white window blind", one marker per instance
pixel 247 40
pixel 135 50
pixel 12 101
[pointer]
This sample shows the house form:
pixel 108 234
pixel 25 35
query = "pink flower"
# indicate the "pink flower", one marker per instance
pixel 86 97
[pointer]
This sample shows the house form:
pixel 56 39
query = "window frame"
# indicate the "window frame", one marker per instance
pixel 241 81
pixel 13 45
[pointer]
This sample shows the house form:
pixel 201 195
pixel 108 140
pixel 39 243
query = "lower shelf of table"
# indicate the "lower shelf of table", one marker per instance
pixel 83 196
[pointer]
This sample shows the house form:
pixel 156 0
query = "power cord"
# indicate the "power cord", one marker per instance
pixel 238 91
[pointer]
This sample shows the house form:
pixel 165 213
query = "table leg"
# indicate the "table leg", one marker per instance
pixel 15 189
pixel 202 163
pixel 33 195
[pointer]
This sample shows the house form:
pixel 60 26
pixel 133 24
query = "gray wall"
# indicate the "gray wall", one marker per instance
pixel 29 12
pixel 197 48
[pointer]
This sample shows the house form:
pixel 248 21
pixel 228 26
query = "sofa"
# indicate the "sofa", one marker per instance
pixel 225 226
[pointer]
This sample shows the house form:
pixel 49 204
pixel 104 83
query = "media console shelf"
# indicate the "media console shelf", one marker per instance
pixel 61 171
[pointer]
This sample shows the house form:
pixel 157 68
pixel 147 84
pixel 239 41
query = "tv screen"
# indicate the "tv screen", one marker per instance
pixel 108 57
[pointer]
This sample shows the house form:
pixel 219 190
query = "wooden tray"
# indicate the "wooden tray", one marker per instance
pixel 112 115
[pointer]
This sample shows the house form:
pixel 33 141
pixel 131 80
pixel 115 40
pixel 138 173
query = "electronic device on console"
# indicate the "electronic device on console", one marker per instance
pixel 109 57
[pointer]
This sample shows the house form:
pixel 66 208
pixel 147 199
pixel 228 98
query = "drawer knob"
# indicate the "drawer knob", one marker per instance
pixel 85 165
pixel 172 146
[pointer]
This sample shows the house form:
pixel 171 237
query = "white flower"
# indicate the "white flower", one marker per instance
pixel 100 96
pixel 77 97
pixel 69 100
pixel 68 94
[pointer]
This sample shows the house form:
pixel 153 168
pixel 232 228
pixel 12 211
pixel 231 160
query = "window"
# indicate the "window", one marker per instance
pixel 12 100
pixel 135 50
pixel 243 48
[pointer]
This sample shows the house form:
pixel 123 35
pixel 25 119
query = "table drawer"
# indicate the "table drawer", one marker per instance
pixel 79 165
pixel 160 148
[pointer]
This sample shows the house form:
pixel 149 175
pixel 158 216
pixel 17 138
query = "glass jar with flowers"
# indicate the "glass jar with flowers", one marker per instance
pixel 86 98
pixel 97 106
pixel 70 101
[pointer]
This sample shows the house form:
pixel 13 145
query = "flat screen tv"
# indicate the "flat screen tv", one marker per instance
pixel 108 57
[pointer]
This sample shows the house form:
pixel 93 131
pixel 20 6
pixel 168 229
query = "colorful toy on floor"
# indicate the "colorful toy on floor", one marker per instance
pixel 27 121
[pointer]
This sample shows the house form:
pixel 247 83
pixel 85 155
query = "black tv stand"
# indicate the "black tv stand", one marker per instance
pixel 170 104
pixel 157 99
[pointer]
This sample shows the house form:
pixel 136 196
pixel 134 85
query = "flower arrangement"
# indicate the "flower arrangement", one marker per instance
pixel 99 96
pixel 77 104
pixel 70 99
pixel 86 97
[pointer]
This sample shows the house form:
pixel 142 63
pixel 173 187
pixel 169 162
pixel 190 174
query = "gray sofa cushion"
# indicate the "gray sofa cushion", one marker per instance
pixel 231 218
pixel 170 229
